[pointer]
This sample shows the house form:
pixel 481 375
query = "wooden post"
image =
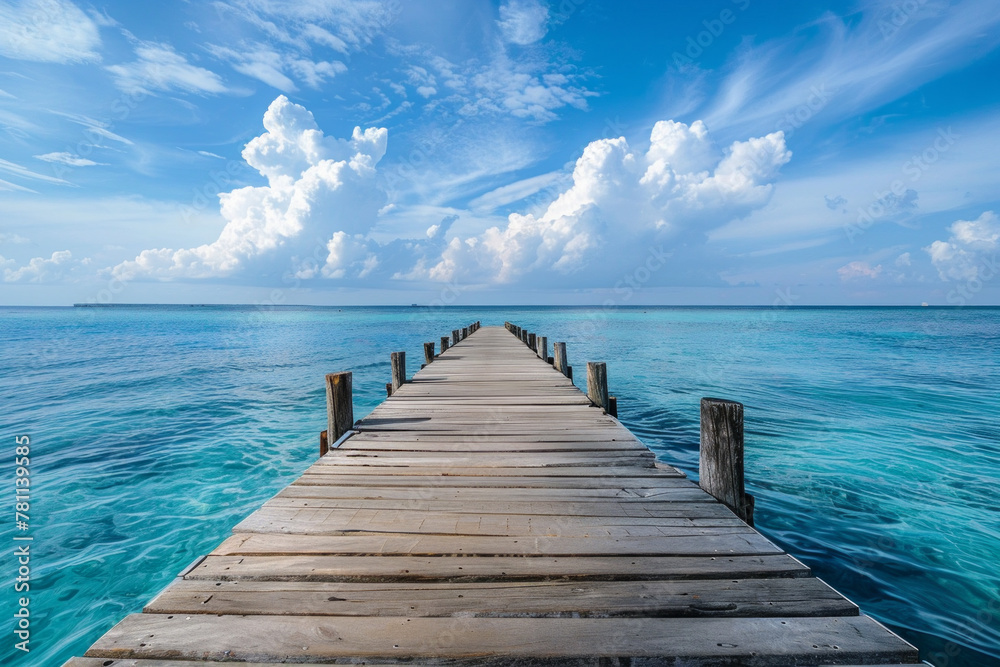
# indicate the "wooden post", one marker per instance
pixel 613 406
pixel 324 445
pixel 720 464
pixel 428 352
pixel 339 406
pixel 569 373
pixel 532 342
pixel 597 384
pixel 444 344
pixel 543 347
pixel 388 389
pixel 398 370
pixel 454 336
pixel 465 332
pixel 524 336
pixel 559 358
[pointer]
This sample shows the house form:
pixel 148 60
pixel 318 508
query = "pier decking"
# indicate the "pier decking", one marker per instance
pixel 486 513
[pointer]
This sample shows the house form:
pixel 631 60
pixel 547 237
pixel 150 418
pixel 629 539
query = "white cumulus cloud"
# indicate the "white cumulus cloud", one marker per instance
pixel 316 217
pixel 622 199
pixel 858 270
pixel 48 31
pixel 311 218
pixel 962 256
pixel 37 270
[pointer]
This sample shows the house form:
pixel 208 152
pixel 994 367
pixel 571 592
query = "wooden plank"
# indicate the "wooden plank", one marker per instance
pixel 322 488
pixel 498 506
pixel 391 478
pixel 486 460
pixel 734 543
pixel 305 567
pixel 530 641
pixel 696 597
pixel 322 521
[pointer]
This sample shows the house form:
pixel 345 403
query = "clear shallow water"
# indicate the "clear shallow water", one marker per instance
pixel 873 440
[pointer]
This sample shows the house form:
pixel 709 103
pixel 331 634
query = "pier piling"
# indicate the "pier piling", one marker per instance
pixel 597 384
pixel 720 464
pixel 398 370
pixel 339 406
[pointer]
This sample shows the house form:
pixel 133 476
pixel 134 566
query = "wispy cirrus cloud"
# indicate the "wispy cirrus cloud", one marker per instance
pixel 845 66
pixel 23 172
pixel 68 159
pixel 283 56
pixel 48 31
pixel 159 67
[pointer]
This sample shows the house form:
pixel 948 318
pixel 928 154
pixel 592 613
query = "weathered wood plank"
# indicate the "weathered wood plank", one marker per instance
pixel 695 598
pixel 323 521
pixel 559 508
pixel 786 641
pixel 665 492
pixel 727 544
pixel 305 567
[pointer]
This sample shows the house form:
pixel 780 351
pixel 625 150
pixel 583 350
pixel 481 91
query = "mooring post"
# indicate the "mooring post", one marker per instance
pixel 533 342
pixel 444 344
pixel 428 352
pixel 339 407
pixel 597 384
pixel 324 445
pixel 454 336
pixel 388 389
pixel 720 461
pixel 543 347
pixel 465 332
pixel 559 358
pixel 613 406
pixel 398 370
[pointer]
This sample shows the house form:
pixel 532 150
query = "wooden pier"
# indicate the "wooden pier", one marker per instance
pixel 488 513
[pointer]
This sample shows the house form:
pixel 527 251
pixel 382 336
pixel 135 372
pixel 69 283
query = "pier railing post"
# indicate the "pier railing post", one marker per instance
pixel 597 384
pixel 720 465
pixel 465 332
pixel 543 347
pixel 398 370
pixel 428 352
pixel 444 343
pixel 532 341
pixel 454 336
pixel 559 358
pixel 339 408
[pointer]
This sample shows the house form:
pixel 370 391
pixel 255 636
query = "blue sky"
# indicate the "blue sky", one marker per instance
pixel 522 151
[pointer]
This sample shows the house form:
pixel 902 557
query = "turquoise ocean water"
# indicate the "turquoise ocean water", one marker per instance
pixel 873 440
